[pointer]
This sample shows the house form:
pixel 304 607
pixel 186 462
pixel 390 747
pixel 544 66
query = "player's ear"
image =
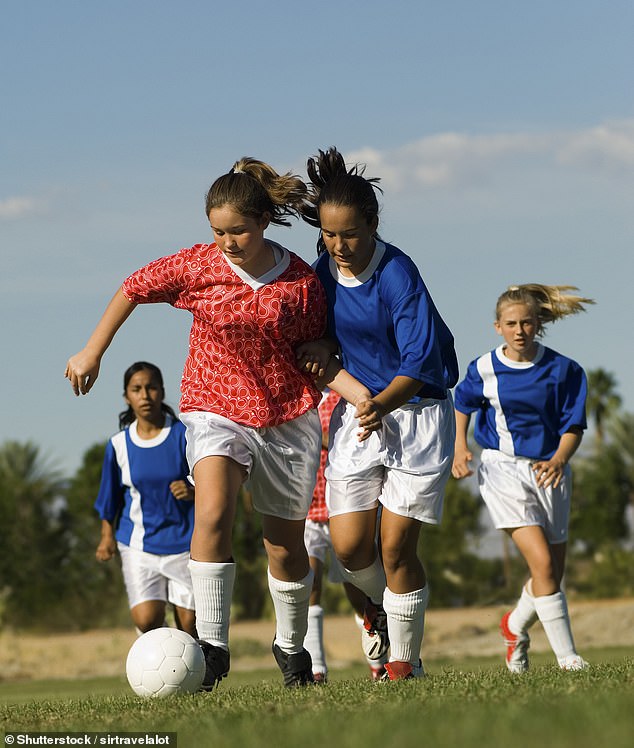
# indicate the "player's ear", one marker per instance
pixel 497 327
pixel 265 220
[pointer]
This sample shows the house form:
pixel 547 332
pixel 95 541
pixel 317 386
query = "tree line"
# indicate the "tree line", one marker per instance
pixel 49 577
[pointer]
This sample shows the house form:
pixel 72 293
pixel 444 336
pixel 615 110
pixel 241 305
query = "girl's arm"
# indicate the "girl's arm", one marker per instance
pixel 313 356
pixel 462 454
pixel 182 490
pixel 82 369
pixel 107 544
pixel 397 393
pixel 550 472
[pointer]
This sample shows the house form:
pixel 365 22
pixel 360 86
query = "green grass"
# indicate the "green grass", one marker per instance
pixel 472 703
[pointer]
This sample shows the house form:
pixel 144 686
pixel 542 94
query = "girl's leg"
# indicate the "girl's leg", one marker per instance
pixel 290 584
pixel 546 563
pixel 185 620
pixel 353 540
pixel 314 641
pixel 212 569
pixel 148 615
pixel 406 595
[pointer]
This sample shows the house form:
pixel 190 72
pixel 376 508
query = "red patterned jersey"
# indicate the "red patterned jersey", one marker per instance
pixel 318 511
pixel 241 361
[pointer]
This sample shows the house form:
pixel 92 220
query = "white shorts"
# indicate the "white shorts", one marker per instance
pixel 509 488
pixel 281 461
pixel 148 576
pixel 319 546
pixel 404 466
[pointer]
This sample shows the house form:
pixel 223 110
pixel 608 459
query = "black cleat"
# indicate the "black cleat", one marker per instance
pixel 217 664
pixel 297 669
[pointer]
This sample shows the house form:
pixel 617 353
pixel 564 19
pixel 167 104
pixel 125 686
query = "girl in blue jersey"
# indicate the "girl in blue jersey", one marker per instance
pixel 146 504
pixel 530 406
pixel 389 335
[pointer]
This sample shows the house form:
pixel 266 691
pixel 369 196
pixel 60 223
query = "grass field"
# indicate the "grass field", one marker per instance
pixel 471 703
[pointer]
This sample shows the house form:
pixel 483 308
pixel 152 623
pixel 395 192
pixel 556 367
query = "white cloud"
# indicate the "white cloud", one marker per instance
pixel 18 207
pixel 453 159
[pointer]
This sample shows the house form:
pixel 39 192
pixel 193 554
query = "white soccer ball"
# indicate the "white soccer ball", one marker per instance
pixel 165 661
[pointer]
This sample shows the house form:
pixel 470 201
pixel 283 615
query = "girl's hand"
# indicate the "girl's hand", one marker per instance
pixel 549 472
pixel 181 490
pixel 313 357
pixel 370 415
pixel 461 467
pixel 106 549
pixel 82 370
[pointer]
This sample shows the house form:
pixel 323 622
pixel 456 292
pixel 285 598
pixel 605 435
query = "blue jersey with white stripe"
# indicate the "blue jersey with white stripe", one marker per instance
pixel 135 494
pixel 523 408
pixel 387 325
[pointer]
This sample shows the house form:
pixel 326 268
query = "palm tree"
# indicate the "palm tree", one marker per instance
pixel 603 400
pixel 30 499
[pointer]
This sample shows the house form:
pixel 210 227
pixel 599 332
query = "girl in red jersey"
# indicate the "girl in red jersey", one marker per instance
pixel 249 412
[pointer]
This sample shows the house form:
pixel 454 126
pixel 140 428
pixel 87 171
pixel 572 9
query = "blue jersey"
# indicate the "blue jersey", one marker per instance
pixel 135 495
pixel 523 408
pixel 387 325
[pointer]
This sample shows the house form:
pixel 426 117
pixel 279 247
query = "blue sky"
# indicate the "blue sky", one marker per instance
pixel 503 132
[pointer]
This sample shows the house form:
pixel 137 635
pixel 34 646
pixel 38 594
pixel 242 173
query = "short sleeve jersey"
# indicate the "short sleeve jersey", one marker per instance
pixel 241 362
pixel 134 493
pixel 318 511
pixel 523 408
pixel 387 325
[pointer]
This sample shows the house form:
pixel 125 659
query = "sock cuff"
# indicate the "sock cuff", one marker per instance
pixel 315 611
pixel 210 570
pixel 291 588
pixel 406 605
pixel 551 607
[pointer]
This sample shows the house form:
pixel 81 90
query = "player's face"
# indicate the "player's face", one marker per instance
pixel 518 325
pixel 348 237
pixel 144 395
pixel 241 239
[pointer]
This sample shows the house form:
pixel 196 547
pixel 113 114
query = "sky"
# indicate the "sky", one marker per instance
pixel 503 133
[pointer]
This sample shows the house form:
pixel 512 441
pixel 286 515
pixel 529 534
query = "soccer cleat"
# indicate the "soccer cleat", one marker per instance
pixel 217 664
pixel 377 672
pixel 320 679
pixel 399 670
pixel 516 647
pixel 374 637
pixel 297 669
pixel 573 662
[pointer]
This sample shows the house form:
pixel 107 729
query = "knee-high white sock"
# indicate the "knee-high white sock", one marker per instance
pixel 553 614
pixel 370 580
pixel 406 623
pixel 372 663
pixel 290 600
pixel 524 615
pixel 314 641
pixel 213 590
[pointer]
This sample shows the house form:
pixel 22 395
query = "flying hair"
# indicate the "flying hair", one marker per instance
pixel 333 183
pixel 253 188
pixel 549 303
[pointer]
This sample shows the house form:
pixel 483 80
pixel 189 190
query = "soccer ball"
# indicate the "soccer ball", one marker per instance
pixel 165 661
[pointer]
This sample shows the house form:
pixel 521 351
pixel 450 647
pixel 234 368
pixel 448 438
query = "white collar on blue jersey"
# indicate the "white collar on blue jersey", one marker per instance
pixel 282 261
pixel 147 443
pixel 504 359
pixel 358 280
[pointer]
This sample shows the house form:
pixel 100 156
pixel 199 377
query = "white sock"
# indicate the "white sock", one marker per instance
pixel 290 600
pixel 314 641
pixel 372 663
pixel 370 580
pixel 553 614
pixel 406 623
pixel 524 615
pixel 213 590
